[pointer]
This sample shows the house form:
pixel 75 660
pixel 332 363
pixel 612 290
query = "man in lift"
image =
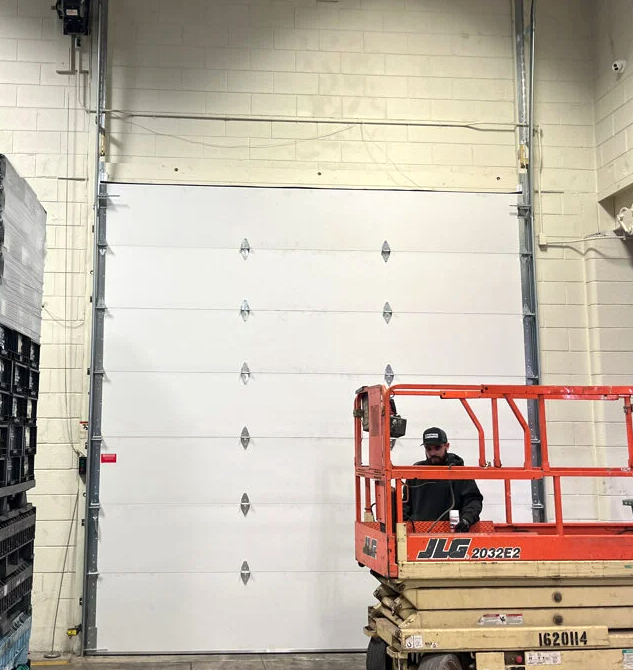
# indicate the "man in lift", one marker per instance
pixel 433 499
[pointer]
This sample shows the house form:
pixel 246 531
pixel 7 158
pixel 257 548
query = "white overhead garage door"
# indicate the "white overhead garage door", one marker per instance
pixel 173 539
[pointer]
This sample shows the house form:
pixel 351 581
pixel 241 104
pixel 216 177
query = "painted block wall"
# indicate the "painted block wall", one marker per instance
pixel 447 68
pixel 608 262
pixel 45 134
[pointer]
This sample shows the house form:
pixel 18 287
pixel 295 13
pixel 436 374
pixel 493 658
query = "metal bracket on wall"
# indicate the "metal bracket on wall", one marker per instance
pixel 245 310
pixel 524 211
pixel 75 48
pixel 385 251
pixel 245 373
pixel 245 437
pixel 245 572
pixel 531 374
pixel 245 504
pixel 389 375
pixel 387 312
pixel 245 248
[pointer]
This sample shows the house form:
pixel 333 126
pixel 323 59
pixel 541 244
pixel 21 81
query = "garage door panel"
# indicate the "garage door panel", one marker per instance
pixel 217 538
pixel 274 611
pixel 182 405
pixel 220 470
pixel 304 280
pixel 278 342
pixel 271 470
pixel 520 513
pixel 421 413
pixel 172 535
pixel 494 498
pixel 328 219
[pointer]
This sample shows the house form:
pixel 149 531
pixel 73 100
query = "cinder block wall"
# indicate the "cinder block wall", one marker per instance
pixel 445 65
pixel 564 168
pixel 46 137
pixel 609 264
pixel 353 60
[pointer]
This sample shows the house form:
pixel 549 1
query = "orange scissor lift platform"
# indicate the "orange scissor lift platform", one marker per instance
pixel 559 572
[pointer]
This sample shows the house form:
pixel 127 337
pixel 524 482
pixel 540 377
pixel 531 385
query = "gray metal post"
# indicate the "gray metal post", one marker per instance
pixel 89 639
pixel 525 101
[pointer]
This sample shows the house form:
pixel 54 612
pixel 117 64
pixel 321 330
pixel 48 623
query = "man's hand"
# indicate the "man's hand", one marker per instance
pixel 462 527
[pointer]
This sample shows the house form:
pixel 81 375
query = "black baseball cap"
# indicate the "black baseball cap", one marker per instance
pixel 434 436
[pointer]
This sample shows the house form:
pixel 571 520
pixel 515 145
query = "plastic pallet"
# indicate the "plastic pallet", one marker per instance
pixel 20 606
pixel 18 445
pixel 17 461
pixel 13 499
pixel 19 376
pixel 16 589
pixel 19 388
pixel 16 586
pixel 16 470
pixel 13 508
pixel 17 536
pixel 6 371
pixel 22 409
pixel 19 347
pixel 14 647
pixel 17 439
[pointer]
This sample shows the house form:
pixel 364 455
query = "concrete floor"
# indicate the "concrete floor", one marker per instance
pixel 350 661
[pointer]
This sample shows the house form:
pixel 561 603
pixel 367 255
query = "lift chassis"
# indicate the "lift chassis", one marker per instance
pixel 505 595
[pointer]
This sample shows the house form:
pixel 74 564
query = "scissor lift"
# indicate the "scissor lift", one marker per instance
pixel 503 596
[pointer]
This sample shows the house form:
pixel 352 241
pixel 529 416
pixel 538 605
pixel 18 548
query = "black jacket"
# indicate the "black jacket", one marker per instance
pixel 431 499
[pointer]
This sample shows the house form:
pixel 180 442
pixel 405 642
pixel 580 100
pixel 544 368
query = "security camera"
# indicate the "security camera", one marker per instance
pixel 618 66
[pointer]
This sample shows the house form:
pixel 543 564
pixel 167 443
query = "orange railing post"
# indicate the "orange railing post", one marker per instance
pixel 495 434
pixel 480 432
pixel 543 429
pixel 558 506
pixel 507 485
pixel 399 513
pixel 358 454
pixel 629 428
pixel 387 461
pixel 527 437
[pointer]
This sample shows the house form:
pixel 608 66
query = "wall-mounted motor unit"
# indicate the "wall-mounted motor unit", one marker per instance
pixel 75 16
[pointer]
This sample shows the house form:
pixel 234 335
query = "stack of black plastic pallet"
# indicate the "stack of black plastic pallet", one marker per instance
pixel 22 230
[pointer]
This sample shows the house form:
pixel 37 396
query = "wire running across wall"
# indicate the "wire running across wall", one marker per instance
pixel 349 124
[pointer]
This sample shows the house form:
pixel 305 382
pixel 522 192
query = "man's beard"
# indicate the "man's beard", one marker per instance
pixel 438 460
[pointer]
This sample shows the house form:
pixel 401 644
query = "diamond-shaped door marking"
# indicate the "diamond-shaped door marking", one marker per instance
pixel 387 312
pixel 245 373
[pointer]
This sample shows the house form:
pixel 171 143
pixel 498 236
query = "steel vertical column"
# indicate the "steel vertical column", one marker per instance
pixel 89 639
pixel 525 103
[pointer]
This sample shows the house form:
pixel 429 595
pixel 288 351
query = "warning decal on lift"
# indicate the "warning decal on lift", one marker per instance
pixel 543 658
pixel 500 619
pixel 413 642
pixel 627 659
